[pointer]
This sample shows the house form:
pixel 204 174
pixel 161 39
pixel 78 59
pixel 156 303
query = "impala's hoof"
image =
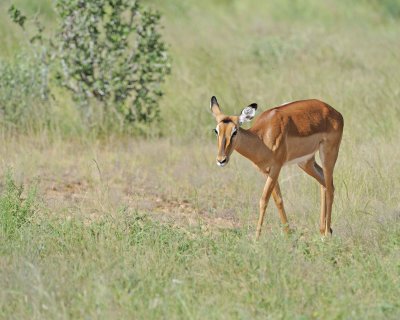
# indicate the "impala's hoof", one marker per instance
pixel 286 229
pixel 322 231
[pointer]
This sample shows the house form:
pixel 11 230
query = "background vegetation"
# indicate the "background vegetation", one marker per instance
pixel 108 55
pixel 136 227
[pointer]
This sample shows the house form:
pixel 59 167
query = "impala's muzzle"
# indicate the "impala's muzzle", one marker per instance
pixel 222 161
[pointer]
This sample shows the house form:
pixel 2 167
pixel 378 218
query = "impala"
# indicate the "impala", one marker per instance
pixel 287 134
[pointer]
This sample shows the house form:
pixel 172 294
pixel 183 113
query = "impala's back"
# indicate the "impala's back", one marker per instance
pixel 298 128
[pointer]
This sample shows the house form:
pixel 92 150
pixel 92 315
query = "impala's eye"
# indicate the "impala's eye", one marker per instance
pixel 215 131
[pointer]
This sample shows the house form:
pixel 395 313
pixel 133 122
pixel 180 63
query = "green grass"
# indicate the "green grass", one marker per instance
pixel 131 267
pixel 14 210
pixel 123 227
pixel 101 244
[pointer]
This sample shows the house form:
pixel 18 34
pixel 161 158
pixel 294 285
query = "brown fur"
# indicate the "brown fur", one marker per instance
pixel 292 132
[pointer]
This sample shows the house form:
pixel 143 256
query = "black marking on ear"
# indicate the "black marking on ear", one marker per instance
pixel 254 106
pixel 214 101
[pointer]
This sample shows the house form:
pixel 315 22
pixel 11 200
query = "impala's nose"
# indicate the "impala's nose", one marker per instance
pixel 222 162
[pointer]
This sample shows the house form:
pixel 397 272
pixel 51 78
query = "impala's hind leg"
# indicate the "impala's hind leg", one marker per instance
pixel 276 194
pixel 328 153
pixel 312 168
pixel 322 218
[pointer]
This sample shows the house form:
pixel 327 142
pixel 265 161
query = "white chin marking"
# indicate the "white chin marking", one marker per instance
pixel 221 164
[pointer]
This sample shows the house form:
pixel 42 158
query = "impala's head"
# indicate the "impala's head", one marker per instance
pixel 227 129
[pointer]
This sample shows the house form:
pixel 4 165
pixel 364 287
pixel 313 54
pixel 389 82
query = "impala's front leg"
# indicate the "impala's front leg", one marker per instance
pixel 269 186
pixel 276 194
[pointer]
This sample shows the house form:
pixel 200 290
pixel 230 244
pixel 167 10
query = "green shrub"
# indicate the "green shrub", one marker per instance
pixel 110 55
pixel 111 50
pixel 23 93
pixel 15 210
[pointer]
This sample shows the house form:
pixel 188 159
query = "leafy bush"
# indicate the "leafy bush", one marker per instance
pixel 110 55
pixel 23 92
pixel 15 211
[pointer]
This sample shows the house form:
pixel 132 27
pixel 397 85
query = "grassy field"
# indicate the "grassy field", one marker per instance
pixel 124 227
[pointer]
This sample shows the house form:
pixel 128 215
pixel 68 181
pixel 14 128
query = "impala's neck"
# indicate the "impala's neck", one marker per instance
pixel 253 148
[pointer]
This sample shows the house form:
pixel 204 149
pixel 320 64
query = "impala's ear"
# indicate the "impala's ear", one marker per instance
pixel 248 113
pixel 215 107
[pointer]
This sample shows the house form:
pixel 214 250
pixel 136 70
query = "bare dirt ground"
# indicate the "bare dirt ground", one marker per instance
pixel 179 184
pixel 92 181
pixel 74 192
